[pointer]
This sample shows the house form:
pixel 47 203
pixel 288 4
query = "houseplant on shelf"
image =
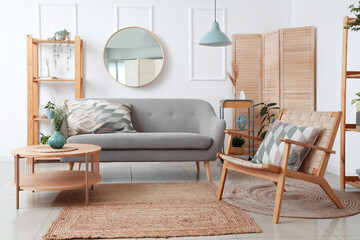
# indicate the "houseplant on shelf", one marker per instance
pixel 265 115
pixel 50 107
pixel 236 146
pixel 61 114
pixel 59 36
pixel 355 24
pixel 357 101
pixel 44 139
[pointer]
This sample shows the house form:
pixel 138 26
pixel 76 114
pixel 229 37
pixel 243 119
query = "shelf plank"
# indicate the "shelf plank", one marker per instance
pixel 237 130
pixel 42 119
pixel 35 40
pixel 352 74
pixel 354 183
pixel 53 80
pixel 350 127
pixel 57 180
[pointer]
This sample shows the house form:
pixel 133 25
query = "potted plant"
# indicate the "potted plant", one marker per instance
pixel 354 24
pixel 265 115
pixel 236 146
pixel 50 107
pixel 59 36
pixel 61 114
pixel 357 101
pixel 44 139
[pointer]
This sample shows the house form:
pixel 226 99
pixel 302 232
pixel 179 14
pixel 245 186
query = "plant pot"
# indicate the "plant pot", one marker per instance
pixel 56 141
pixel 236 150
pixel 358 120
pixel 50 114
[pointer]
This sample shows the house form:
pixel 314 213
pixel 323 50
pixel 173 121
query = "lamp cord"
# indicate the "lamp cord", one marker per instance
pixel 215 10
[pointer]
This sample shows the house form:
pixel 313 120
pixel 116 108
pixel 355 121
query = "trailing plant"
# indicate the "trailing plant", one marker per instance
pixel 61 114
pixel 354 24
pixel 265 115
pixel 58 49
pixel 44 139
pixel 50 106
pixel 238 141
pixel 357 101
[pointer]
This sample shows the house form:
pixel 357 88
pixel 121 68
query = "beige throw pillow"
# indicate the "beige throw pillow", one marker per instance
pixel 82 120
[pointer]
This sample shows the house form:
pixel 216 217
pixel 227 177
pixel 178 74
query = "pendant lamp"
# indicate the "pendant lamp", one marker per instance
pixel 215 38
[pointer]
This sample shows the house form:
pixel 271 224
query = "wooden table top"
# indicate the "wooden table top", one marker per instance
pixel 81 151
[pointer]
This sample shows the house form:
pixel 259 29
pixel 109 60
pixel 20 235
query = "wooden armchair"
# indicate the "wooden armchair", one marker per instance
pixel 313 167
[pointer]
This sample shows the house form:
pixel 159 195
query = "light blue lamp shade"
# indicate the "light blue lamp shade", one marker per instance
pixel 215 38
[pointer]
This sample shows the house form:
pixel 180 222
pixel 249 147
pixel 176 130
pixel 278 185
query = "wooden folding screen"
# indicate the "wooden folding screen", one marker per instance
pixel 271 72
pixel 276 67
pixel 297 66
pixel 247 57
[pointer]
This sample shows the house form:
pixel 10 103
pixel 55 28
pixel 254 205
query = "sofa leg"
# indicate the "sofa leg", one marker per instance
pixel 70 166
pixel 198 166
pixel 78 166
pixel 207 169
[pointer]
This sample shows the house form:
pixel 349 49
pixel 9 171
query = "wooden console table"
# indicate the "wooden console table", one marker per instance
pixel 57 180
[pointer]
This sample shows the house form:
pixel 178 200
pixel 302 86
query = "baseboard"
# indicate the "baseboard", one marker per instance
pixel 336 171
pixel 6 158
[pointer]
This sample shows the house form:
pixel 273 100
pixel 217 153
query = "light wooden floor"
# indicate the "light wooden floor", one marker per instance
pixel 35 214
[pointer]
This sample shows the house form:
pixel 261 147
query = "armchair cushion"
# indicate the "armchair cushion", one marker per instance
pixel 271 149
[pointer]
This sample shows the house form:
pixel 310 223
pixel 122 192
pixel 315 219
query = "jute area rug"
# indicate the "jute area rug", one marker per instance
pixel 138 210
pixel 300 200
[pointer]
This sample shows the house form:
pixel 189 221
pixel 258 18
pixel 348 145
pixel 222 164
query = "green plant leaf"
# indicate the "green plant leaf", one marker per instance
pixel 260 130
pixel 274 108
pixel 258 104
pixel 263 120
pixel 262 136
pixel 358 94
pixel 263 111
pixel 271 104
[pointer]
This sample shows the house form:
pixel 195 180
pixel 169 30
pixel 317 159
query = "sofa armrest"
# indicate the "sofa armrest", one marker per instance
pixel 214 128
pixel 63 130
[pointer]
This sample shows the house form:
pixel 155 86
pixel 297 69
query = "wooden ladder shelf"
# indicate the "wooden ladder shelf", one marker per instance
pixel 346 127
pixel 33 82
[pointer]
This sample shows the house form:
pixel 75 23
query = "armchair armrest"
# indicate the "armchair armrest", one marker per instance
pixel 234 132
pixel 307 145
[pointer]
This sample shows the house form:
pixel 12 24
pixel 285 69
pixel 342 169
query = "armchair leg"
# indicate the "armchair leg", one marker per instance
pixel 281 183
pixel 278 199
pixel 326 187
pixel 198 166
pixel 207 169
pixel 222 180
pixel 78 166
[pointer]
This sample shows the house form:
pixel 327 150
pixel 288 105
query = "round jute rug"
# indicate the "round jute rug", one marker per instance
pixel 300 200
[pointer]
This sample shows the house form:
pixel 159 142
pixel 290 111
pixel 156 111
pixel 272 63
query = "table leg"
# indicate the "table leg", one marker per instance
pixel 86 179
pixel 92 167
pixel 17 179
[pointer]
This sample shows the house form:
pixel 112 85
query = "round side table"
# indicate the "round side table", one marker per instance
pixel 58 180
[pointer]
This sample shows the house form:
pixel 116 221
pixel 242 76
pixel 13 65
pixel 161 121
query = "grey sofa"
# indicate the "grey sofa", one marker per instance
pixel 168 130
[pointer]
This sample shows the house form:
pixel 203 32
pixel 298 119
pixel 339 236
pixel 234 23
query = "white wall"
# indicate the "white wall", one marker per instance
pixel 327 16
pixel 95 22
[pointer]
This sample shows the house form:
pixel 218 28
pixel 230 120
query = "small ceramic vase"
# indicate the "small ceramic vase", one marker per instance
pixel 56 141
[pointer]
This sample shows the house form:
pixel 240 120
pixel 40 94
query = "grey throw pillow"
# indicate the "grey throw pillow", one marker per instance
pixel 271 149
pixel 112 117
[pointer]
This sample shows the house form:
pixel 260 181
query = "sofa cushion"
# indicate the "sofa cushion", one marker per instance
pixel 112 117
pixel 147 140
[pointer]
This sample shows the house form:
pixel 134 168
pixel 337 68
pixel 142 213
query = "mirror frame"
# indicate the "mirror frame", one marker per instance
pixel 162 50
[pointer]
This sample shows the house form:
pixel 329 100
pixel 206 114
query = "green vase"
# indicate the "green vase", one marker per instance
pixel 56 141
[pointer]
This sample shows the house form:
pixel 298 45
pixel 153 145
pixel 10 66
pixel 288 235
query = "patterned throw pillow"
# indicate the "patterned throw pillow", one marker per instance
pixel 81 121
pixel 112 117
pixel 271 149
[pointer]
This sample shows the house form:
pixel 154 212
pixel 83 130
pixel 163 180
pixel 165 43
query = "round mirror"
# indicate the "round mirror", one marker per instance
pixel 133 56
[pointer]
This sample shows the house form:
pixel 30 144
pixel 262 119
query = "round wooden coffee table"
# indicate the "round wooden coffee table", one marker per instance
pixel 57 180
